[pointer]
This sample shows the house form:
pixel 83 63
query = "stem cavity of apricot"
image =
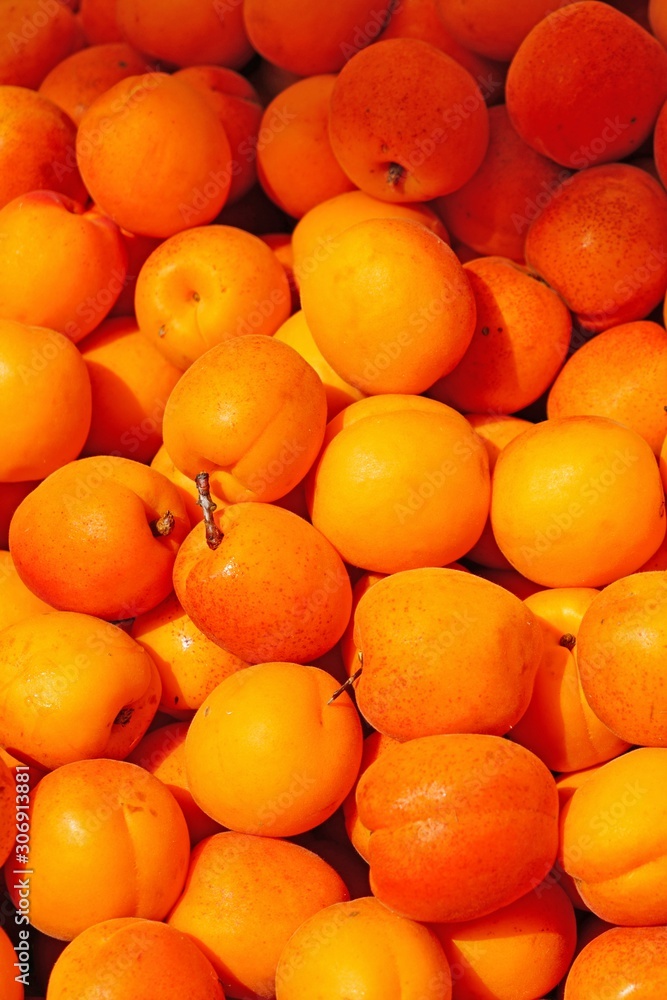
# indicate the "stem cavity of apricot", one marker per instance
pixel 395 174
pixel 163 525
pixel 213 534
pixel 567 640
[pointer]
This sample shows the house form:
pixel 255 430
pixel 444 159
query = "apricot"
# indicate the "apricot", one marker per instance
pixel 556 483
pixel 8 806
pixel 365 943
pixel 621 962
pixel 599 244
pixel 559 725
pixel 244 898
pixel 390 306
pixel 263 440
pixel 576 58
pixel 16 601
pixel 206 286
pixel 133 957
pixel 107 839
pixel 407 122
pixel 73 687
pixel 117 137
pixel 612 839
pixel 420 636
pixel 460 825
pixel 12 988
pixel 98 20
pixel 76 81
pixel 45 402
pixel 567 784
pixel 387 505
pixel 161 752
pixel 162 462
pixel 489 28
pixel 374 745
pixel 519 952
pixel 34 37
pixel 133 518
pixel 273 589
pixel 348 648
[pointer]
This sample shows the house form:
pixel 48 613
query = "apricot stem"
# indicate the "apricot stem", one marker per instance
pixel 567 640
pixel 348 683
pixel 164 525
pixel 213 534
pixel 395 173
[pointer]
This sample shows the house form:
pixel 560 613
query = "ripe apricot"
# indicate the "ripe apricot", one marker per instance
pixel 120 508
pixel 599 245
pixel 407 122
pixel 575 58
pixel 519 952
pixel 390 306
pixel 559 725
pixel 273 589
pixel 243 899
pixel 206 286
pixel 308 38
pixel 34 37
pixel 492 211
pixel 522 334
pixel 294 129
pixel 660 143
pixel 186 33
pixel 374 745
pixel 128 956
pixel 421 636
pixel 45 403
pixel 489 28
pixel 556 483
pixel 8 971
pixel 265 437
pixel 190 665
pixel 8 806
pixel 365 943
pixel 162 752
pixel 186 487
pixel 619 374
pixel 75 82
pixel 117 138
pixel 567 784
pixel 73 687
pixel 387 505
pixel 621 962
pixel 107 839
pixel 36 147
pixel 460 825
pixel 348 648
pixel 16 601
pixel 612 839
pixel 98 20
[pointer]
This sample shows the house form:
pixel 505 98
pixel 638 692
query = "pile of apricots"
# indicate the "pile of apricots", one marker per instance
pixel 333 458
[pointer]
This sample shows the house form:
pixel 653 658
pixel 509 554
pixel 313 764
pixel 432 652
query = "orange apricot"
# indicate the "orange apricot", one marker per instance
pixel 390 307
pixel 133 518
pixel 556 483
pixel 243 899
pixel 365 943
pixel 522 334
pixel 73 687
pixel 374 745
pixel 407 122
pixel 75 82
pixel 16 601
pixel 206 286
pixel 77 258
pixel 11 986
pixel 619 374
pixel 34 37
pixel 186 487
pixel 420 636
pixel 107 839
pixel 567 784
pixel 45 402
pixel 460 825
pixel 131 381
pixel 294 129
pixel 240 110
pixel 660 142
pixel 519 952
pixel 117 138
pixel 161 752
pixel 348 648
pixel 492 211
pixel 274 588
pixel 559 725
pixel 612 839
pixel 36 147
pixel 129 956
pixel 186 32
pixel 490 28
pixel 98 21
pixel 575 58
pixel 621 962
pixel 263 440
pixel 387 505
pixel 308 38
pixel 289 775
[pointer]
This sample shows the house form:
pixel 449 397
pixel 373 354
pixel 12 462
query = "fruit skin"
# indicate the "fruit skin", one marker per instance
pixel 12 990
pixel 460 825
pixel 620 962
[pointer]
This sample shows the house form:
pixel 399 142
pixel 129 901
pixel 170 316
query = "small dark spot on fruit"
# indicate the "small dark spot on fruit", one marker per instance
pixel 176 699
pixel 133 809
pixel 207 710
pixel 567 640
pixel 485 331
pixel 500 329
pixel 161 332
pixel 123 717
pixel 196 296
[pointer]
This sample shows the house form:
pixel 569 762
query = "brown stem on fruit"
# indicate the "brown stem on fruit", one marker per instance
pixel 395 173
pixel 123 717
pixel 567 640
pixel 348 683
pixel 213 534
pixel 164 525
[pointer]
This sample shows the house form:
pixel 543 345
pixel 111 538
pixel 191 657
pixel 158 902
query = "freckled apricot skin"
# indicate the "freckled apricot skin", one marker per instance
pixel 621 962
